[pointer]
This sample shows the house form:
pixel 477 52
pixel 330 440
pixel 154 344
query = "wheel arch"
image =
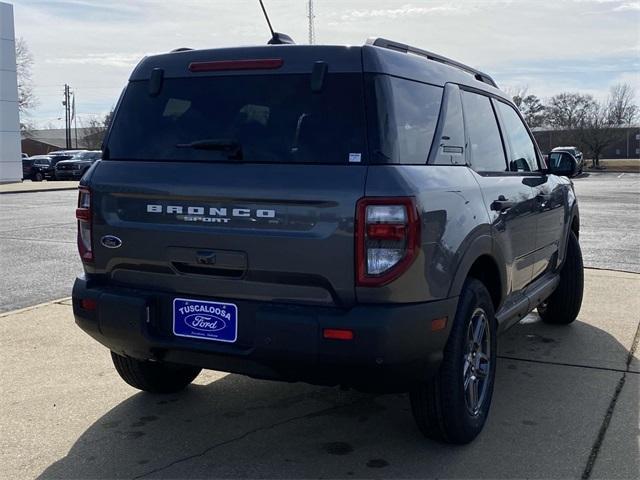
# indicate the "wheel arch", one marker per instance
pixel 480 262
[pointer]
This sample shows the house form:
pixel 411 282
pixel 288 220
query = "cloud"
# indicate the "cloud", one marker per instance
pixel 627 7
pixel 404 11
pixel 116 60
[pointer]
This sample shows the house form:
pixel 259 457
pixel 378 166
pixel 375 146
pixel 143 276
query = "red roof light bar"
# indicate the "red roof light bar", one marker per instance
pixel 223 65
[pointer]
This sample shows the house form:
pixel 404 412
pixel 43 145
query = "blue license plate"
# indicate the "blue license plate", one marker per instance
pixel 205 320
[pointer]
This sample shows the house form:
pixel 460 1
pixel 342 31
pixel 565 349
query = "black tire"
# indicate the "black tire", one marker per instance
pixel 563 306
pixel 38 177
pixel 440 406
pixel 154 377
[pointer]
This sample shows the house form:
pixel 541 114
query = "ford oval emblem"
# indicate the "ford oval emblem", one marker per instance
pixel 205 323
pixel 111 241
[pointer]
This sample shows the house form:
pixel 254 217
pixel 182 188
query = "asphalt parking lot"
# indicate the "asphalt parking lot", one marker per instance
pixel 38 254
pixel 610 220
pixel 566 402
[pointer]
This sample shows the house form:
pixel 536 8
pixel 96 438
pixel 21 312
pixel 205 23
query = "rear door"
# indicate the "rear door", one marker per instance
pixel 509 200
pixel 234 186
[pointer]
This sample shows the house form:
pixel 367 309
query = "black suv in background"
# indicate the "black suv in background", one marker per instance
pixel 75 167
pixel 37 168
pixel 369 216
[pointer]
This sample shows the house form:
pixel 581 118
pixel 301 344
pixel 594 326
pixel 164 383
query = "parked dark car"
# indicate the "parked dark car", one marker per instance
pixel 576 153
pixel 369 216
pixel 37 168
pixel 75 167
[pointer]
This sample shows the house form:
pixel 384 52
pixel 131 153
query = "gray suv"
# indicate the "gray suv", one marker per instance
pixel 371 217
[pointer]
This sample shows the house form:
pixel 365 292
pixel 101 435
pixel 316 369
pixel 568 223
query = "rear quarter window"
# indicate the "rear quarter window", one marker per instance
pixel 404 114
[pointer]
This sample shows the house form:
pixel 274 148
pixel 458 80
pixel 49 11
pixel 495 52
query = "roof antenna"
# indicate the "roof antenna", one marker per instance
pixel 276 38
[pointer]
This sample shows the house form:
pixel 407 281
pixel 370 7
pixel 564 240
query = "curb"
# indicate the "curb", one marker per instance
pixel 39 190
pixel 34 307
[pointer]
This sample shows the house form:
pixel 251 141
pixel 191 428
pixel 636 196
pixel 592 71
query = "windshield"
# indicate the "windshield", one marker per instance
pixel 250 118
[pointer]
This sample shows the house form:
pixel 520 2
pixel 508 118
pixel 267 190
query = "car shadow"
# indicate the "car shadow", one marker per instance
pixel 236 427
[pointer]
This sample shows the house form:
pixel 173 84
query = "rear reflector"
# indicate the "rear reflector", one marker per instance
pixel 336 334
pixel 89 304
pixel 438 324
pixel 222 65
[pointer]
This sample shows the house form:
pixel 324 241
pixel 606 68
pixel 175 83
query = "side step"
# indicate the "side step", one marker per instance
pixel 532 296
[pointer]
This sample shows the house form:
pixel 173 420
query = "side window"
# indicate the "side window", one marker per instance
pixel 487 153
pixel 406 116
pixel 448 145
pixel 522 156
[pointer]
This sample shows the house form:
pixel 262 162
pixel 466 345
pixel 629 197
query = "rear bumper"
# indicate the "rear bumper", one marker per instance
pixel 393 345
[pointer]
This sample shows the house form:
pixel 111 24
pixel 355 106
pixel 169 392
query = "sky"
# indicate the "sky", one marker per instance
pixel 549 46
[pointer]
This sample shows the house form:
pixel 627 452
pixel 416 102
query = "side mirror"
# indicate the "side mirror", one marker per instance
pixel 562 164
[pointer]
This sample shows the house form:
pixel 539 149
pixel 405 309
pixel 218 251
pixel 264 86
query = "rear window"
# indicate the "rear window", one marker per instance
pixel 250 118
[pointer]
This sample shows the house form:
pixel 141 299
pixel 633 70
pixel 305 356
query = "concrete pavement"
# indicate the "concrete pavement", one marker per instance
pixel 566 402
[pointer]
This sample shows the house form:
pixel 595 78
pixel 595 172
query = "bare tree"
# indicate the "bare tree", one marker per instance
pixel 596 132
pixel 567 110
pixel 108 117
pixel 24 65
pixel 622 106
pixel 94 131
pixel 531 107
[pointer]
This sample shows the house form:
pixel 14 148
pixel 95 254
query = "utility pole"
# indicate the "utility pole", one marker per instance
pixel 74 117
pixel 67 117
pixel 311 15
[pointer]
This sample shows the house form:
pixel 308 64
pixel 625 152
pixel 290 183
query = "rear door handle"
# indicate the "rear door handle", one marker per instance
pixel 501 204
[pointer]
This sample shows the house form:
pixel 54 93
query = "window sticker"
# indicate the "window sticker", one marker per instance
pixel 355 157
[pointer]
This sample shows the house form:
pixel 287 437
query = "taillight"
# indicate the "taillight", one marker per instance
pixel 83 214
pixel 387 238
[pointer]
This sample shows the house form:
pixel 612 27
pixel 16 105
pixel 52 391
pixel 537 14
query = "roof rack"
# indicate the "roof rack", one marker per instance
pixel 401 47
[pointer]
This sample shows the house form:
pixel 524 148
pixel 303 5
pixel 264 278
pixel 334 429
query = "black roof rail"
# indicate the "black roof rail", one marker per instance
pixel 401 47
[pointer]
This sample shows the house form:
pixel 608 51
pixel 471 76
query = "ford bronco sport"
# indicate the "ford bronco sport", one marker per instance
pixel 371 217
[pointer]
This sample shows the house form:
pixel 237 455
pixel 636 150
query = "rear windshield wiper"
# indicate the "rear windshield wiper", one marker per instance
pixel 230 146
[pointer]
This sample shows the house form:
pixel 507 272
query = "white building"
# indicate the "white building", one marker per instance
pixel 10 155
